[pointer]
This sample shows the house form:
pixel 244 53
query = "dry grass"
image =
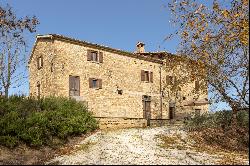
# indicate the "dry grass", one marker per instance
pixel 172 142
pixel 194 142
pixel 85 146
pixel 226 156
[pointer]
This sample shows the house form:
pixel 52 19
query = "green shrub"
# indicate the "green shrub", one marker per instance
pixel 9 141
pixel 41 122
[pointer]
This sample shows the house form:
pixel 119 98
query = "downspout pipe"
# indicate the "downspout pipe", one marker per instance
pixel 161 92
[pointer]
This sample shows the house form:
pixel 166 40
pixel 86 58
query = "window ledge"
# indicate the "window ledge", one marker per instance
pixel 96 88
pixel 96 62
pixel 146 82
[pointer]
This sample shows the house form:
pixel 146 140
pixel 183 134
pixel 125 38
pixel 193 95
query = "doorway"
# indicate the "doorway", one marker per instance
pixel 74 86
pixel 146 100
pixel 171 112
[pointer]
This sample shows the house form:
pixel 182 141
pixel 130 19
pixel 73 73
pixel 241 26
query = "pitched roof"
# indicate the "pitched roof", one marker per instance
pixel 149 56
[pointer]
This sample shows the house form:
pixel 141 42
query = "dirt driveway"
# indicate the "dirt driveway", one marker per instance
pixel 139 146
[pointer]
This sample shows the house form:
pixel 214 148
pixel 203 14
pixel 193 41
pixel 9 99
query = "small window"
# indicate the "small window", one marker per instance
pixel 183 98
pixel 94 56
pixel 119 91
pixel 39 62
pixel 52 67
pixel 95 83
pixel 146 76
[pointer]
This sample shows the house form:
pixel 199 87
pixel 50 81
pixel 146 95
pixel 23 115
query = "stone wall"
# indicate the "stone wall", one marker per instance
pixel 116 123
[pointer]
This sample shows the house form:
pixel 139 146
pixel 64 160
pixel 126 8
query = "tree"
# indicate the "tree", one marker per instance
pixel 216 36
pixel 12 45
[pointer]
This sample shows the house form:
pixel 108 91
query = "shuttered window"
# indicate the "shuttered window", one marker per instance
pixel 95 56
pixel 39 62
pixel 95 83
pixel 146 76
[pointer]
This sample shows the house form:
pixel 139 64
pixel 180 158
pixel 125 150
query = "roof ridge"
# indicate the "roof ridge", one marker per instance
pixel 71 38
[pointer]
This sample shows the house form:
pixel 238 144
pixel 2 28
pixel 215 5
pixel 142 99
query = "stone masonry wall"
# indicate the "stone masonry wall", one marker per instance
pixel 62 59
pixel 116 71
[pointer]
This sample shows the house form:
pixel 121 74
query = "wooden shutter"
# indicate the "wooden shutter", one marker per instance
pixel 41 61
pixel 101 57
pixel 99 82
pixel 174 80
pixel 38 67
pixel 171 81
pixel 90 82
pixel 197 85
pixel 71 82
pixel 142 75
pixel 151 76
pixel 77 85
pixel 89 55
pixel 71 86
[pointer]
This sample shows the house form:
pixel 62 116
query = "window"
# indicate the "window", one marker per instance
pixel 183 98
pixel 95 83
pixel 39 62
pixel 146 76
pixel 119 91
pixel 51 67
pixel 94 56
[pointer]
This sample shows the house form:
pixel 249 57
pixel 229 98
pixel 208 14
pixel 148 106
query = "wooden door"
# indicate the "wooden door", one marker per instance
pixel 147 109
pixel 171 112
pixel 74 86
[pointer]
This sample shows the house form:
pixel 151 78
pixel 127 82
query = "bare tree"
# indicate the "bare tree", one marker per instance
pixel 217 37
pixel 12 46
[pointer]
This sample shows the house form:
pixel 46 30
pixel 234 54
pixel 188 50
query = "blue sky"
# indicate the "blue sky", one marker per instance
pixel 114 23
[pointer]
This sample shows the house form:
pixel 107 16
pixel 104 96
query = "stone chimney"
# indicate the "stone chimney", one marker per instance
pixel 140 47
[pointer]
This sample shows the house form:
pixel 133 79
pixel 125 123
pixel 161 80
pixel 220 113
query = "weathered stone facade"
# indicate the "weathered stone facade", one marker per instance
pixel 118 70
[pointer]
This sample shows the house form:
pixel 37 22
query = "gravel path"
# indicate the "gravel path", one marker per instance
pixel 134 146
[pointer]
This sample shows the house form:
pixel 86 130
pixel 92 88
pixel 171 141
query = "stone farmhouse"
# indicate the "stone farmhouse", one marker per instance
pixel 120 88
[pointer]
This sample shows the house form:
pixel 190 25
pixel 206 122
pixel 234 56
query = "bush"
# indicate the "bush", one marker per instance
pixel 40 122
pixel 216 129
